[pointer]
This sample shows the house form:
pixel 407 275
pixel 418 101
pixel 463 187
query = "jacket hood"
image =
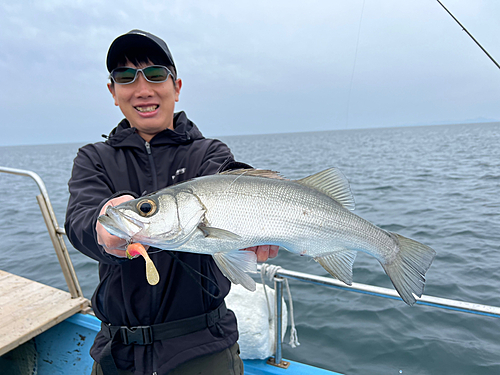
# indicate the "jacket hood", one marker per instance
pixel 185 131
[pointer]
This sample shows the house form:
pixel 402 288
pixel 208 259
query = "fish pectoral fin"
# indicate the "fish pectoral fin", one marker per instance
pixel 221 234
pixel 234 266
pixel 339 264
pixel 333 183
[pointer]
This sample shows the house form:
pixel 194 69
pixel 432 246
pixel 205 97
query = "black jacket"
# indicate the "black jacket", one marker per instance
pixel 125 163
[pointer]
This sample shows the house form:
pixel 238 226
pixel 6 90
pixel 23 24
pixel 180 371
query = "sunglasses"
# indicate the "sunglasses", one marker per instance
pixel 153 73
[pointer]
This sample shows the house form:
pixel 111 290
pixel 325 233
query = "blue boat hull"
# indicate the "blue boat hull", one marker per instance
pixel 64 349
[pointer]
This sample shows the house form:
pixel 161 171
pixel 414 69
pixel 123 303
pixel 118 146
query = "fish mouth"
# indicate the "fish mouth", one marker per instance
pixel 120 224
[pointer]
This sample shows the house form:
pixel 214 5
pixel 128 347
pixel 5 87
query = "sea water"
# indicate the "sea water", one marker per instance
pixel 439 185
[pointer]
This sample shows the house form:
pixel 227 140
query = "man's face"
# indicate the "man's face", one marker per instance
pixel 149 107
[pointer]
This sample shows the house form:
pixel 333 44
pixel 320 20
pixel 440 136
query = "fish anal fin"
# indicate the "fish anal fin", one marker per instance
pixel 339 264
pixel 221 234
pixel 333 183
pixel 234 266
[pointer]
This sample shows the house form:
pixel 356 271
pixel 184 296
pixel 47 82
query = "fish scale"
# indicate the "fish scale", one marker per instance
pixel 223 213
pixel 265 206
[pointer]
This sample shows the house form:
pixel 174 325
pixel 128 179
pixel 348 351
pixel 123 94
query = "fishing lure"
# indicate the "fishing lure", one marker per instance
pixel 135 249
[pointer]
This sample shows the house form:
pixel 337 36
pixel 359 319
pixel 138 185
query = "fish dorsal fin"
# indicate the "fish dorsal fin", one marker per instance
pixel 333 183
pixel 254 173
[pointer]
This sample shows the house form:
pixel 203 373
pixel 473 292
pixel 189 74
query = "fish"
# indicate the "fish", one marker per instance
pixel 223 213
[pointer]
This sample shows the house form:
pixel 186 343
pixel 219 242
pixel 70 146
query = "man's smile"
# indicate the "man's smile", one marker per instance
pixel 149 108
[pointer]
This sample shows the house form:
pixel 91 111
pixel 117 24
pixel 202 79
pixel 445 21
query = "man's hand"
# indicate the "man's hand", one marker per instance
pixel 112 244
pixel 264 252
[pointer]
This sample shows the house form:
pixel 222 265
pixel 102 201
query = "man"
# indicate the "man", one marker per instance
pixel 180 325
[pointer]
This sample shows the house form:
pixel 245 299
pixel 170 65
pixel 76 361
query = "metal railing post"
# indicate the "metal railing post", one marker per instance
pixel 278 324
pixel 278 317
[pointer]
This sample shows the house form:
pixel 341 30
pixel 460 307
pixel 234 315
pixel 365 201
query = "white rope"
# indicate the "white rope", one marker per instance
pixel 262 274
pixel 270 271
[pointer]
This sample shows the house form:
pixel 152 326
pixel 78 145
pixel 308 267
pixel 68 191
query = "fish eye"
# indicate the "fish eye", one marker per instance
pixel 146 207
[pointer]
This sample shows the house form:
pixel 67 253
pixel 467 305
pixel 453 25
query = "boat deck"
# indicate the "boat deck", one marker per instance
pixel 28 308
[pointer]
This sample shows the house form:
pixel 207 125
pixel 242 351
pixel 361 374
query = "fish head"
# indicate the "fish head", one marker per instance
pixel 117 222
pixel 165 220
pixel 150 220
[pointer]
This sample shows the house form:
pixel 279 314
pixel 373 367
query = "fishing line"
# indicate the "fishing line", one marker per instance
pixel 231 184
pixel 474 39
pixel 354 64
pixel 192 272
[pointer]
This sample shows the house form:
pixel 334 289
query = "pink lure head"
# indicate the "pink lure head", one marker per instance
pixel 136 249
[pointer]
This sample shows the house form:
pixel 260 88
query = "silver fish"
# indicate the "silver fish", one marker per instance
pixel 223 213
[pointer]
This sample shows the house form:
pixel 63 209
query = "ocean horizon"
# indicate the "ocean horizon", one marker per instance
pixel 101 138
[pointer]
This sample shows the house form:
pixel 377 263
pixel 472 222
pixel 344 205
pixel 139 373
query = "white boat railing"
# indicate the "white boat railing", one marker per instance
pixel 56 234
pixel 281 274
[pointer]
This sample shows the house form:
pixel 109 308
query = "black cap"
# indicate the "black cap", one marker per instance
pixel 136 39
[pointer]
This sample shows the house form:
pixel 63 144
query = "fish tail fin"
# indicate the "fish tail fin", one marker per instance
pixel 407 270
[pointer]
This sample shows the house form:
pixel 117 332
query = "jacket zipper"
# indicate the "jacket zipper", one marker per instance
pixel 154 308
pixel 152 164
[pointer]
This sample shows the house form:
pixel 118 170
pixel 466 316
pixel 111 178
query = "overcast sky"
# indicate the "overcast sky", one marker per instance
pixel 252 67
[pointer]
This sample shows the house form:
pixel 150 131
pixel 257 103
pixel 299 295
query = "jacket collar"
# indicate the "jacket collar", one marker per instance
pixel 185 131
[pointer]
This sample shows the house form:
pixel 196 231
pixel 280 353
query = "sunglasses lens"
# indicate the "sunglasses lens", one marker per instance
pixel 124 75
pixel 156 73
